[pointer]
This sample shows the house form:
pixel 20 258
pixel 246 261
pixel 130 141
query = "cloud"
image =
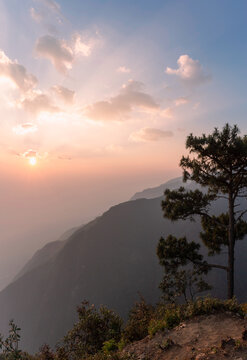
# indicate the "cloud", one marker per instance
pixel 123 69
pixel 64 94
pixel 196 106
pixel 118 107
pixel 61 53
pixel 149 134
pixel 24 129
pixel 37 102
pixel 167 113
pixel 36 15
pixel 41 17
pixel 189 71
pixel 29 154
pixel 53 5
pixel 83 45
pixel 16 73
pixel 48 14
pixel 55 50
pixel 181 101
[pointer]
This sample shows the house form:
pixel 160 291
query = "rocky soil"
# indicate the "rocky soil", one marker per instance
pixel 217 336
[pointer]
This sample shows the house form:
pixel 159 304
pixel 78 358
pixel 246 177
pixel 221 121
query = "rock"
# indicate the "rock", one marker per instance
pixel 227 342
pixel 200 356
pixel 244 335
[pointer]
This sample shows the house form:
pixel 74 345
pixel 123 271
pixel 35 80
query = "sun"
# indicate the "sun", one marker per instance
pixel 32 161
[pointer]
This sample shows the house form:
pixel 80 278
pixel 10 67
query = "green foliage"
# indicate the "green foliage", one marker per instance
pixel 92 330
pixel 156 325
pixel 184 268
pixel 110 346
pixel 167 316
pixel 112 356
pixel 210 305
pixel 9 346
pixel 136 327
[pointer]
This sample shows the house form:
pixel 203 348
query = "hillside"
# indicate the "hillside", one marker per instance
pixel 107 262
pixel 45 254
pixel 216 336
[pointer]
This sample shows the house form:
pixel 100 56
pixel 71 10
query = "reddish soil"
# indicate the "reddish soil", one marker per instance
pixel 217 336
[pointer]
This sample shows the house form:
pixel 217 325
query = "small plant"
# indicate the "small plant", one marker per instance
pixel 10 345
pixel 110 346
pixel 244 308
pixel 167 344
pixel 156 326
pixel 238 344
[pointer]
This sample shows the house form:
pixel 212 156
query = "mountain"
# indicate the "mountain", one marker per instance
pixel 107 261
pixel 158 191
pixel 46 253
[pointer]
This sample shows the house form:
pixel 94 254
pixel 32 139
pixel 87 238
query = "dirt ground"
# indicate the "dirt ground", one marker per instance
pixel 217 336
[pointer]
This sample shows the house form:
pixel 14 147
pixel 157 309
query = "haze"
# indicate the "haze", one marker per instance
pixel 96 100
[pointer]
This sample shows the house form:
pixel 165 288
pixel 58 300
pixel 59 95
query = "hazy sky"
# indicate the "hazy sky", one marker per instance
pixel 96 100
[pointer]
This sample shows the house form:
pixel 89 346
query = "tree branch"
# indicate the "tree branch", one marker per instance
pixel 222 267
pixel 240 216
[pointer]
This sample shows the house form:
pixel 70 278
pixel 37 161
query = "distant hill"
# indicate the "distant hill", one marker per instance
pixel 107 261
pixel 45 254
pixel 158 191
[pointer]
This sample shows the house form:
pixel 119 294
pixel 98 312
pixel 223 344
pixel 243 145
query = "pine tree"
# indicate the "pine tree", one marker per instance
pixel 218 163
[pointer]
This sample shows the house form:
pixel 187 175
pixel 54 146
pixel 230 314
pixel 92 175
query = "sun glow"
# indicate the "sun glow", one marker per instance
pixel 32 161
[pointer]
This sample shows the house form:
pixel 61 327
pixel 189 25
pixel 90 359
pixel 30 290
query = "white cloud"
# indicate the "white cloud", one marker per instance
pixel 83 45
pixel 181 101
pixel 37 102
pixel 64 94
pixel 55 50
pixel 31 153
pixel 61 53
pixel 118 107
pixel 149 134
pixel 25 128
pixel 190 71
pixel 123 69
pixel 16 73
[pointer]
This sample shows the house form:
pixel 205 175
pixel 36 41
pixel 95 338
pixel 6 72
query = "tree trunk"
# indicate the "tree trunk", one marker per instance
pixel 231 245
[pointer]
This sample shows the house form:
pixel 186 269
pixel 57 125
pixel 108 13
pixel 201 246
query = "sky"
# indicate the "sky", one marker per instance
pixel 96 100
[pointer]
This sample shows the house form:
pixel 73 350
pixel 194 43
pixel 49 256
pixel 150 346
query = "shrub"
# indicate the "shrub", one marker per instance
pixel 155 326
pixel 169 316
pixel 45 353
pixel 209 305
pixel 136 327
pixel 88 335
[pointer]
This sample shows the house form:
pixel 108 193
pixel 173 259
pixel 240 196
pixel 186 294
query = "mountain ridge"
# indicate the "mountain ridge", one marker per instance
pixel 106 261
